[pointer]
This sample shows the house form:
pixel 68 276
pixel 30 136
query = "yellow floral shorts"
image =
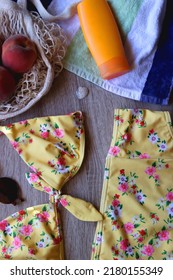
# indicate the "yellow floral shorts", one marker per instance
pixel 137 196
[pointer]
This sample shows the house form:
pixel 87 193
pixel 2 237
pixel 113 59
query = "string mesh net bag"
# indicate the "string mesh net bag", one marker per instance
pixel 51 45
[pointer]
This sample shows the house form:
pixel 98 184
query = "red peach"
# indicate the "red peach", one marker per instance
pixel 19 53
pixel 7 84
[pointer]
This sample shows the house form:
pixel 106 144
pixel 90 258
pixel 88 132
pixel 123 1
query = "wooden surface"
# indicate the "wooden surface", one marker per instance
pixel 98 108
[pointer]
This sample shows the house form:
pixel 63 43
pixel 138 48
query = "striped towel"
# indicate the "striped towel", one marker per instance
pixel 146 27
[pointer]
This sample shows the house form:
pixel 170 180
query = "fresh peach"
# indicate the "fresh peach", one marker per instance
pixel 7 84
pixel 1 42
pixel 19 53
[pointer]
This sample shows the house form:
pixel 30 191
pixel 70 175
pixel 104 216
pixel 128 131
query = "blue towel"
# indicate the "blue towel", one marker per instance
pixel 158 86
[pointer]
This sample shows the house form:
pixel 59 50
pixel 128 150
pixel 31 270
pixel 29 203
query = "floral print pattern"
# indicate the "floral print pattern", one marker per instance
pixel 151 171
pixel 25 225
pixel 53 148
pixel 138 118
pixel 154 139
pixel 137 198
pixel 127 185
pixel 48 128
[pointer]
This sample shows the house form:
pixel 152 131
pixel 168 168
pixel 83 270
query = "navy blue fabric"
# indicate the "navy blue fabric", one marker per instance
pixel 159 82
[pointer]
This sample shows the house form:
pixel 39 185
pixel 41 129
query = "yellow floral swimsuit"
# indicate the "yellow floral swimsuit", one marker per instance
pixel 137 196
pixel 53 148
pixel 136 214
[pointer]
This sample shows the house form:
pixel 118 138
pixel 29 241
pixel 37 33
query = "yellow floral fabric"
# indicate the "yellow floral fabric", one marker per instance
pixel 137 196
pixel 53 148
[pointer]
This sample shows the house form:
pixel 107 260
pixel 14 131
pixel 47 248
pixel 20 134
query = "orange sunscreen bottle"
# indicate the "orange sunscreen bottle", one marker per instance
pixel 102 37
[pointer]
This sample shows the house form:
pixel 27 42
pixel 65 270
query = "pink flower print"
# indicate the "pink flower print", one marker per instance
pixel 25 122
pixel 169 196
pixel 17 242
pixel 15 144
pixel 59 133
pixel 124 244
pixel 31 251
pixel 150 170
pixel 129 227
pixel 127 137
pixel 45 134
pixel 148 250
pixel 20 218
pixel 163 235
pixel 3 225
pixel 4 250
pixel 19 151
pixel 144 155
pixel 123 187
pixel 115 202
pixel 47 189
pixel 61 161
pixel 140 239
pixel 43 217
pixel 156 177
pixel 33 178
pixel 26 230
pixel 114 151
pixel 64 202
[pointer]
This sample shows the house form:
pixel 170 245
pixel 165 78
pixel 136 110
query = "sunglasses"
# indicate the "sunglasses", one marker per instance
pixel 10 192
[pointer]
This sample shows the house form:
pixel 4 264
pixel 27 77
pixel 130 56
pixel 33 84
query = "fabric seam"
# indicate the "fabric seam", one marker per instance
pixel 105 189
pixel 168 119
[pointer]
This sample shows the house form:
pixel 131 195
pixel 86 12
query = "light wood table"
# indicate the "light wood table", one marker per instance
pixel 98 108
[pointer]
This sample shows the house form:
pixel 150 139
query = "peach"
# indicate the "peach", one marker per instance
pixel 19 53
pixel 1 42
pixel 7 84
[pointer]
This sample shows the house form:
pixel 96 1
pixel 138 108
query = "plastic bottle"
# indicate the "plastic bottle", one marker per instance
pixel 103 38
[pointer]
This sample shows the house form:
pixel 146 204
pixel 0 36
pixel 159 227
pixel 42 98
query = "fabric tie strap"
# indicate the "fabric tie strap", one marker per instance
pixel 81 209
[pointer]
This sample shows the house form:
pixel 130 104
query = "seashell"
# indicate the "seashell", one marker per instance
pixel 82 92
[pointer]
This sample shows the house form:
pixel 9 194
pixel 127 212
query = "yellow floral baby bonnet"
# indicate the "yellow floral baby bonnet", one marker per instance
pixel 53 147
pixel 137 196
